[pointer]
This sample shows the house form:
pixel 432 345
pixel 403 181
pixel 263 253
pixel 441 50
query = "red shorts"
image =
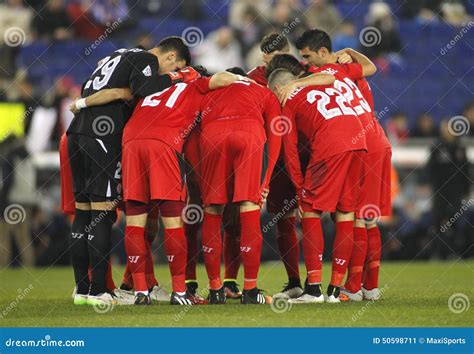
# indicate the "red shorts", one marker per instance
pixel 282 196
pixel 232 158
pixel 67 194
pixel 335 183
pixel 375 196
pixel 152 170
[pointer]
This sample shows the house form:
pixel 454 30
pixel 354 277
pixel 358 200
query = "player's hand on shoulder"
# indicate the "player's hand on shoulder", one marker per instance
pixel 343 57
pixel 185 75
pixel 285 92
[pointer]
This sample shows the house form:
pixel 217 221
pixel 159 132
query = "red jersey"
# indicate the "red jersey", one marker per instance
pixel 258 75
pixel 322 115
pixel 168 115
pixel 351 83
pixel 244 102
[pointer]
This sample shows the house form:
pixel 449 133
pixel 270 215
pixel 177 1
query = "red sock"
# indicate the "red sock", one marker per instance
pixel 127 277
pixel 150 266
pixel 231 256
pixel 289 246
pixel 212 248
pixel 313 248
pixel 135 245
pixel 176 250
pixel 372 261
pixel 191 232
pixel 109 279
pixel 250 246
pixel 341 250
pixel 356 263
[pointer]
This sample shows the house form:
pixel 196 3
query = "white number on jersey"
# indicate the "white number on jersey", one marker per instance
pixel 106 68
pixel 153 101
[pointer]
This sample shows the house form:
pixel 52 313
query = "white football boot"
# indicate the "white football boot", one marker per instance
pixel 373 294
pixel 357 296
pixel 158 293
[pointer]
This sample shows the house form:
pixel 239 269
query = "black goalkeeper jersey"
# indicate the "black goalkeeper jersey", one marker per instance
pixel 133 68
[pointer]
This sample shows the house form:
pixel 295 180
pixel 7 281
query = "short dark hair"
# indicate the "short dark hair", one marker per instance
pixel 284 61
pixel 273 42
pixel 201 70
pixel 314 39
pixel 237 71
pixel 177 44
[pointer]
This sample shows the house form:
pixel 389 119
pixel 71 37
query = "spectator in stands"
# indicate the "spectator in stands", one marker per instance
pixel 346 36
pixel 454 13
pixel 53 23
pixel 425 127
pixel 238 7
pixel 397 128
pixel 387 40
pixel 468 112
pixel 219 51
pixel 449 173
pixel 323 16
pixel 252 29
pixel 85 27
pixel 15 21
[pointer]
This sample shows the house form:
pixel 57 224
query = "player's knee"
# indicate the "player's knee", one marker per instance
pixel 171 212
pixel 214 209
pixel 360 223
pixel 248 206
pixel 344 216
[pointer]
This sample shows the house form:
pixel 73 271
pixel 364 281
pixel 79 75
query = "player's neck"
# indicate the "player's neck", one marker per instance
pixel 332 59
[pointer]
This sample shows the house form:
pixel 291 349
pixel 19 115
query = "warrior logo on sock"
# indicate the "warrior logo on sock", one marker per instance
pixel 340 261
pixel 245 249
pixel 170 258
pixel 207 249
pixel 133 259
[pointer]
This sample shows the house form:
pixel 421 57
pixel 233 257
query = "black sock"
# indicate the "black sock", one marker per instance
pixel 79 250
pixel 99 248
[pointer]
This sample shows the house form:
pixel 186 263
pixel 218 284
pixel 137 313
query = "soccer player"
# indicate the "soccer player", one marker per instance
pixel 315 47
pixel 332 179
pixel 237 123
pixel 94 144
pixel 282 197
pixel 270 46
pixel 153 176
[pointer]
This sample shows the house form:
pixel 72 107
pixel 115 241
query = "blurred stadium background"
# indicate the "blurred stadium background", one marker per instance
pixel 424 95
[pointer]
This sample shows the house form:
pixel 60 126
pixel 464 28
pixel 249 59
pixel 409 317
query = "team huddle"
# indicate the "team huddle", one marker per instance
pixel 156 138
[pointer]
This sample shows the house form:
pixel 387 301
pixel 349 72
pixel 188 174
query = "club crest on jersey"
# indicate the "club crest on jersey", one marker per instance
pixel 329 71
pixel 147 71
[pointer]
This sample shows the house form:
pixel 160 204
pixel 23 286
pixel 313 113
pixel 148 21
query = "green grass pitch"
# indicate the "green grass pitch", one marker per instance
pixel 415 294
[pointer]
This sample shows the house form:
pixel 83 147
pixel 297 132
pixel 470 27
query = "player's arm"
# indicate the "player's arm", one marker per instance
pixel 224 79
pixel 273 127
pixel 290 150
pixel 368 67
pixel 101 97
pixel 318 79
